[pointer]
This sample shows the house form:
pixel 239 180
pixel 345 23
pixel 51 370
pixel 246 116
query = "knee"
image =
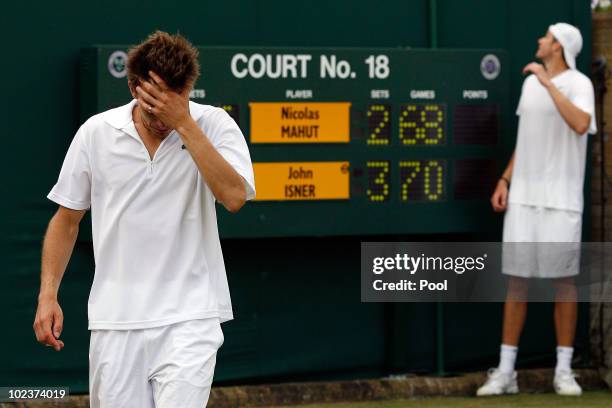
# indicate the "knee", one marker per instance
pixel 518 289
pixel 565 289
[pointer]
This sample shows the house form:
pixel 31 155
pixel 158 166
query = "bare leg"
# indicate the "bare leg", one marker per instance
pixel 515 310
pixel 566 311
pixel 502 380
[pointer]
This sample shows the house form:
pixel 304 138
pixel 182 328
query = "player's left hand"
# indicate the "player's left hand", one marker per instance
pixel 170 107
pixel 539 71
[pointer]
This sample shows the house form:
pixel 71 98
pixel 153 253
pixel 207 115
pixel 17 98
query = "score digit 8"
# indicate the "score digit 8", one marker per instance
pixel 378 180
pixel 422 124
pixel 379 125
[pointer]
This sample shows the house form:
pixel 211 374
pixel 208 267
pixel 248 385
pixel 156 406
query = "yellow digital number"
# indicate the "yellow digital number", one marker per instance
pixel 435 193
pixel 379 124
pixel 431 171
pixel 422 124
pixel 413 168
pixel 378 180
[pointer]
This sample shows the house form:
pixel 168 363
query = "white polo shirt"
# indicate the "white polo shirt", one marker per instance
pixel 155 238
pixel 550 157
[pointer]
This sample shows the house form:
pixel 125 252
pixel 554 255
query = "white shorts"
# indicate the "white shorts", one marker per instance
pixel 561 229
pixel 163 367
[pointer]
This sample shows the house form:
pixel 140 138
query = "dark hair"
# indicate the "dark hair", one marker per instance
pixel 172 57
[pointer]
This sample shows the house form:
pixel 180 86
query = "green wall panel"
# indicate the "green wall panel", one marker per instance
pixel 298 317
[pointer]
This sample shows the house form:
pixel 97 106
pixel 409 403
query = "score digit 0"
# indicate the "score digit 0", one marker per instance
pixel 422 124
pixel 422 180
pixel 379 125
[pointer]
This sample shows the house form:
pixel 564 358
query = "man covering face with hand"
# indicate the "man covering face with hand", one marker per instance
pixel 151 172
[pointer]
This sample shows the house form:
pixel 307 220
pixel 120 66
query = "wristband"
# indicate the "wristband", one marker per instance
pixel 506 180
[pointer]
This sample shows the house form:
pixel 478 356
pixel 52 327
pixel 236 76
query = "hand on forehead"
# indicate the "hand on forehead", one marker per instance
pixel 155 80
pixel 159 84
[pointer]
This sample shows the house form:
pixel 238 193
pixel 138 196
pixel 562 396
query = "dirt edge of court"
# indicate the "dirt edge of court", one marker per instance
pixel 530 381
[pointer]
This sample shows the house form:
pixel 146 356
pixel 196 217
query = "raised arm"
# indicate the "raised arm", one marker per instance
pixel 173 109
pixel 575 117
pixel 57 249
pixel 225 183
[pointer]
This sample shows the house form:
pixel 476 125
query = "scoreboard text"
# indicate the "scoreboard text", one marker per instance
pixel 351 141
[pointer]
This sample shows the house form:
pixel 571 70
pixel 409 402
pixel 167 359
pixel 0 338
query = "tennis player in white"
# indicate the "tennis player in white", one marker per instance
pixel 150 171
pixel 541 191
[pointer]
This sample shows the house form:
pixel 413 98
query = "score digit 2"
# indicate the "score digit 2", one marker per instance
pixel 379 125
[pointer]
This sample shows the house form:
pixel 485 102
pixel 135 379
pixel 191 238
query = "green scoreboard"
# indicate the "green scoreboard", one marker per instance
pixel 350 141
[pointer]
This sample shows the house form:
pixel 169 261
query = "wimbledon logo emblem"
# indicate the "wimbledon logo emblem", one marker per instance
pixel 117 64
pixel 490 66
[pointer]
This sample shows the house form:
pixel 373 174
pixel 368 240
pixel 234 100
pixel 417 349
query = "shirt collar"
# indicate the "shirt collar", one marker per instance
pixel 120 117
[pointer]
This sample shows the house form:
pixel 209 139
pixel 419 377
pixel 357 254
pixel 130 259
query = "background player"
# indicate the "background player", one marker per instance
pixel 541 191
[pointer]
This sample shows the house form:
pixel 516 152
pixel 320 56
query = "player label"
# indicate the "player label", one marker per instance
pixel 300 122
pixel 302 181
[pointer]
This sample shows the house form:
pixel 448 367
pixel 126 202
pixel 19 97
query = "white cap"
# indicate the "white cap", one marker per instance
pixel 570 39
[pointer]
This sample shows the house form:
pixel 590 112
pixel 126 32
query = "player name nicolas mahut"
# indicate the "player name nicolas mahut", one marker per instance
pixel 409 285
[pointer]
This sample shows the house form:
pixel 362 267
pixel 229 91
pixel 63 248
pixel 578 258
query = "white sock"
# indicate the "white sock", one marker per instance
pixel 564 359
pixel 507 358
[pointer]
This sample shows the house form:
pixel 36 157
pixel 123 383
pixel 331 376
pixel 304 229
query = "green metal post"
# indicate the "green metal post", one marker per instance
pixel 433 24
pixel 433 43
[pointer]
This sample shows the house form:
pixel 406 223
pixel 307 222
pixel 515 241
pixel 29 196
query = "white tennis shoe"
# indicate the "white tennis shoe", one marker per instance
pixel 498 383
pixel 565 384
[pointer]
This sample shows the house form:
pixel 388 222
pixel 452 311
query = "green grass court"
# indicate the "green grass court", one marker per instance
pixel 599 399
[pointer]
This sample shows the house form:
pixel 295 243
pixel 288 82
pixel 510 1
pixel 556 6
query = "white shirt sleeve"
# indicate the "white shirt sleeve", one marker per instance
pixel 230 143
pixel 73 187
pixel 583 97
pixel 519 107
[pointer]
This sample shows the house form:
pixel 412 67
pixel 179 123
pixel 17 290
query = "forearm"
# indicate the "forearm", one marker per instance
pixel 57 248
pixel 225 183
pixel 577 119
pixel 507 174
